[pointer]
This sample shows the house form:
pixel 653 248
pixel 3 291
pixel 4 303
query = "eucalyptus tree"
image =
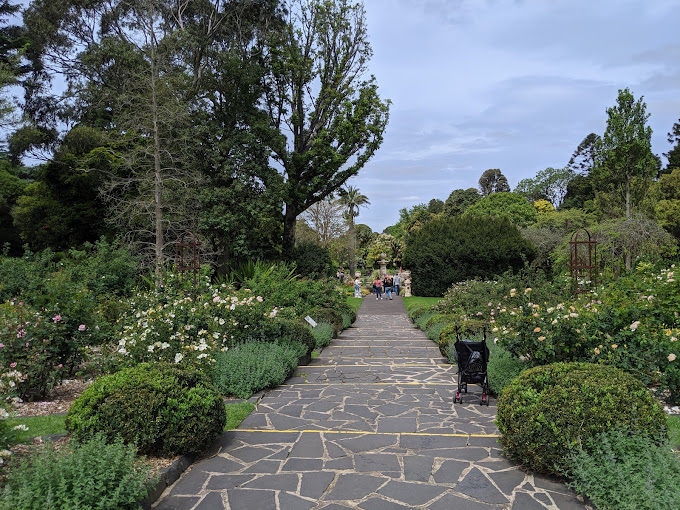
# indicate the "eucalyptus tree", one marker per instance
pixel 326 111
pixel 493 181
pixel 352 199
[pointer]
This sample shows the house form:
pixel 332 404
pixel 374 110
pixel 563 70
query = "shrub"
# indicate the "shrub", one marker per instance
pixel 449 250
pixel 329 316
pixel 417 311
pixel 89 475
pixel 548 411
pixel 349 315
pixel 502 368
pixel 440 318
pixel 423 319
pixel 434 331
pixel 164 409
pixel 623 471
pixel 313 261
pixel 511 206
pixel 323 334
pixel 254 366
pixel 296 332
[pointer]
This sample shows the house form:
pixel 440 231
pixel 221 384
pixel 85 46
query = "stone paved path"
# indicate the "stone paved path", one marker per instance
pixel 370 425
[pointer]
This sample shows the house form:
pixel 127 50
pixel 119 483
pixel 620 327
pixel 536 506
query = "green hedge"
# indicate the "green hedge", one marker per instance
pixel 163 409
pixel 450 250
pixel 547 412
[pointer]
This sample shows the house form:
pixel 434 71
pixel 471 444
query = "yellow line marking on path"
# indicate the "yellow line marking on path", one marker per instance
pixel 370 384
pixel 383 365
pixel 365 432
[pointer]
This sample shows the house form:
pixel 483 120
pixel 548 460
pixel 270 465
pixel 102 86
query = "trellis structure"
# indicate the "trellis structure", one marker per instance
pixel 188 251
pixel 582 261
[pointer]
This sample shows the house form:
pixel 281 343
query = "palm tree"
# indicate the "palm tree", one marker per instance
pixel 351 199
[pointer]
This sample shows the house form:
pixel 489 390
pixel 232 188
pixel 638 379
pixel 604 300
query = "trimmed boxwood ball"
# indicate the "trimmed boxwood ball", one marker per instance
pixel 548 411
pixel 164 409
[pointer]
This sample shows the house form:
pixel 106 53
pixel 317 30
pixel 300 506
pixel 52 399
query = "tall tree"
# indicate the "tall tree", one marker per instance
pixel 625 163
pixel 352 199
pixel 328 115
pixel 326 218
pixel 459 200
pixel 493 181
pixel 583 159
pixel 11 49
pixel 674 154
pixel 549 184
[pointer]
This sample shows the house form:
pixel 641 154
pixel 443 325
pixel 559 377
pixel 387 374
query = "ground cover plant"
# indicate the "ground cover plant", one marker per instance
pixel 254 366
pixel 622 471
pixel 97 474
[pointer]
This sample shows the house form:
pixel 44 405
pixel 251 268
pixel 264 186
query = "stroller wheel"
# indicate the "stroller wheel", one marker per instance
pixel 485 400
pixel 457 398
pixel 465 387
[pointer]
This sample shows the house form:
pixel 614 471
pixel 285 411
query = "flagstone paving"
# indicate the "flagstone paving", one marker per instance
pixel 370 424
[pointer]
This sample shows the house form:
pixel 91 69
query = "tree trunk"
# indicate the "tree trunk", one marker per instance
pixel 289 219
pixel 352 246
pixel 158 178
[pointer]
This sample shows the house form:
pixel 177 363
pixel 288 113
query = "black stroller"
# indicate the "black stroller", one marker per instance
pixel 472 359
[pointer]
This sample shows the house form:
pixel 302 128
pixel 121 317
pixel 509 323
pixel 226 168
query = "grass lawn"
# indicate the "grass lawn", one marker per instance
pixel 236 413
pixel 410 302
pixel 674 431
pixel 38 426
pixel 354 302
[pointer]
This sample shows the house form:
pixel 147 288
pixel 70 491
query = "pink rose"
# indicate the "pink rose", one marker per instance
pixel 14 364
pixel 56 318
pixel 81 327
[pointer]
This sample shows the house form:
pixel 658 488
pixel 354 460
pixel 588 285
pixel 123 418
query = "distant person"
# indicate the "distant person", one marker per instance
pixel 378 284
pixel 396 282
pixel 357 287
pixel 387 283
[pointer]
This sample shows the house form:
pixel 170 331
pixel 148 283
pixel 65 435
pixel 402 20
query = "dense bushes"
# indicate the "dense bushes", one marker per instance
pixel 312 261
pixel 622 471
pixel 323 334
pixel 450 250
pixel 161 408
pixel 254 366
pixel 548 411
pixel 96 474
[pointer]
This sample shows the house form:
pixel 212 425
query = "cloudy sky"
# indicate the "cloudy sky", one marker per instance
pixel 515 85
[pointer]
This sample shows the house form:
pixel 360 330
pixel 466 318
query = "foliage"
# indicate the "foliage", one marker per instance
pixel 165 410
pixel 459 200
pixel 323 334
pixel 352 199
pixel 317 90
pixel 549 185
pixel 450 250
pixel 547 412
pixel 297 295
pixel 328 315
pixel 674 154
pixel 625 164
pixel 37 348
pixel 508 205
pixel 95 474
pixel 667 209
pixel 622 471
pixel 583 159
pixel 312 261
pixel 674 431
pixel 171 326
pixel 630 323
pixel 502 368
pixel 254 366
pixel 493 181
pixel 391 246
